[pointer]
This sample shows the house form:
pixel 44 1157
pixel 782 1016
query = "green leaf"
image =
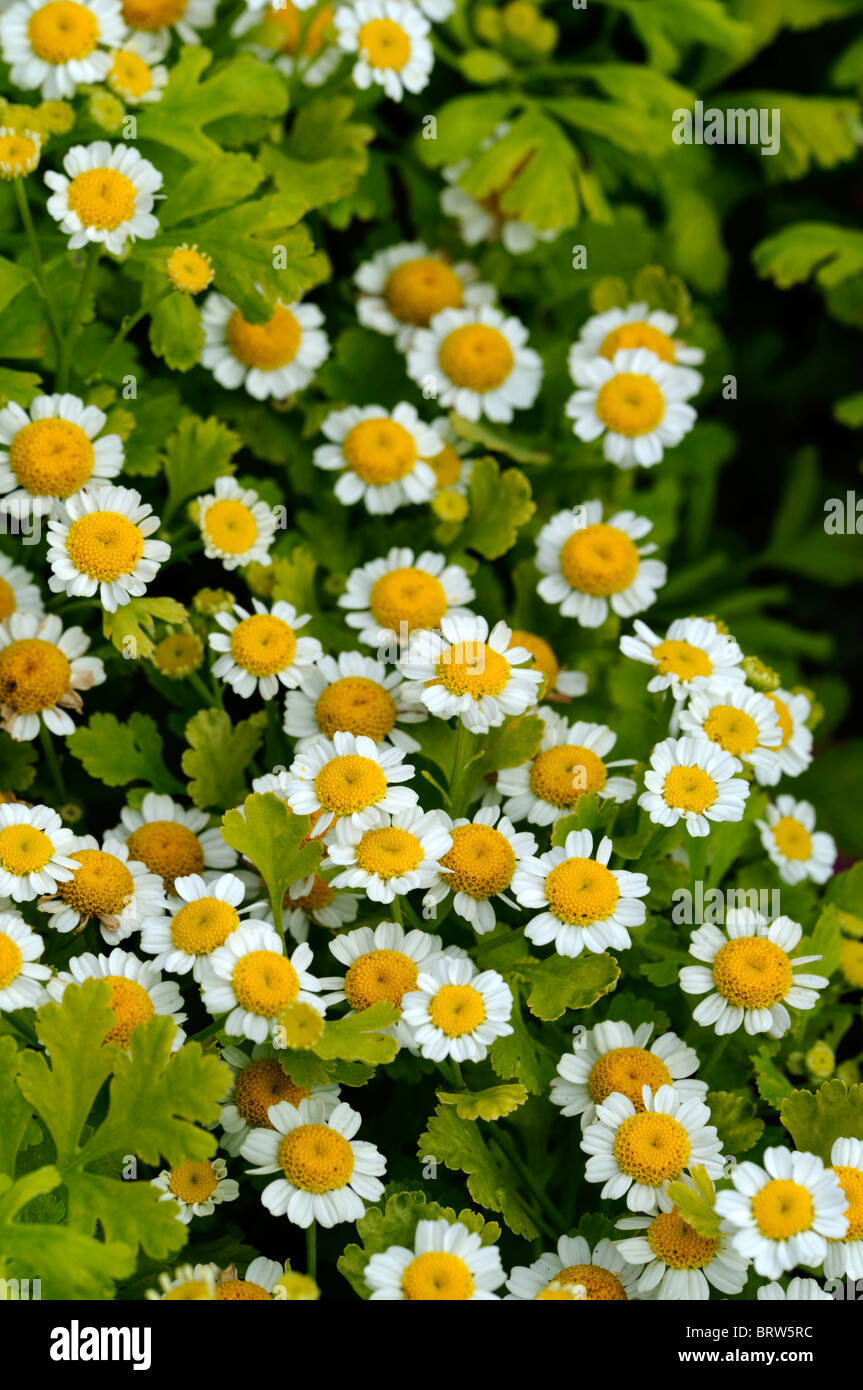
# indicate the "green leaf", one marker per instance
pixel 849 411
pixel 68 1264
pixel 360 1036
pixel 13 278
pixel 209 185
pixel 522 1056
pixel 267 834
pixel 830 253
pixel 491 1181
pixel 531 170
pixel 396 1225
pixel 499 441
pixel 323 157
pixel 241 88
pixel 117 753
pixel 132 628
pixel 463 124
pixel 771 1084
pixel 196 454
pixel 490 1104
pixel 835 1111
pixel 736 1120
pixel 218 757
pixel 20 387
pixel 17 764
pixel 696 1202
pixel 176 333
pixel 500 502
pixel 817 132
pixel 825 941
pixel 558 984
pixel 13 1107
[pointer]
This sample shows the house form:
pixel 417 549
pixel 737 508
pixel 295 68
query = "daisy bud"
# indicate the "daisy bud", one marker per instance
pixel 760 676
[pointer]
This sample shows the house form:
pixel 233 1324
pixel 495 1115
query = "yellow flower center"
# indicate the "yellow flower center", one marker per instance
pixel 627 1069
pixel 481 861
pixel 851 963
pixel 11 960
pixel 230 526
pixel 18 155
pixel 476 356
pixel 262 1084
pixel 178 654
pixel 752 972
pixel 189 270
pixel 558 1293
pixel 732 729
pixel 388 852
pixel 316 1159
pixel 651 1148
pixel 472 668
pixel 240 1291
pixel 437 1276
pixel 34 675
pixel 153 14
pixel 385 44
pixel 446 467
pixel 168 849
pixel 24 849
pixel 102 886
pixel 782 1209
pixel 192 1182
pixel 410 597
pixel 349 783
pixel 51 458
pixel 8 603
pixel 265 983
pixel 677 1244
pixel 689 789
pixel 378 975
pixel 104 545
pixel 786 724
pixel 319 895
pixel 851 1182
pixel 190 1291
pixel 792 839
pixel 681 659
pixel 561 775
pixel 379 451
pixel 263 644
pixel 599 560
pixel 457 1009
pixel 287 17
pixel 637 335
pixel 63 31
pixel 202 926
pixel 419 289
pixel 358 706
pixel 131 1005
pixel 600 1285
pixel 630 404
pixel 266 346
pixel 102 198
pixel 580 891
pixel 544 659
pixel 129 75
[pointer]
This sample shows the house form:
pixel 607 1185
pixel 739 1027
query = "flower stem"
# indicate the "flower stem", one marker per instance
pixel 456 781
pixel 126 326
pixel 312 1251
pixel 206 695
pixel 53 763
pixel 38 263
pixel 508 1146
pixel 66 347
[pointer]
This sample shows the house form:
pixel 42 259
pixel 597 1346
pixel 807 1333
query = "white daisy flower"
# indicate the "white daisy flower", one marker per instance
pixel 106 195
pixel 236 526
pixel 794 752
pixel 845 1256
pixel 793 844
pixel 349 776
pixel 21 976
pixel 616 1057
pixel 198 1187
pixel 52 451
pixel 355 694
pixel 35 851
pixel 692 654
pixel 137 74
pixel 799 1290
pixel 257 1083
pixel 106 884
pixel 676 1261
pixel 558 680
pixel 404 286
pixel 313 899
pixel 185 18
pixel 588 564
pixel 636 401
pixel 467 671
pixel 18 591
pixel 489 221
pixel 261 650
pixel 479 866
pixel 737 719
pixel 382 963
pixel 138 992
pixel 390 38
pixel 785 1213
pixel 693 780
pixel 327 1174
pixel 304 48
pixel 275 358
pixel 20 151
pixel 42 670
pixel 389 599
pixel 457 1012
pixel 99 542
pixel 749 974
pixel 187 1284
pixel 447 1262
pixel 587 906
pixel 476 362
pixel 389 855
pixel 569 763
pixel 207 914
pixel 58 45
pixel 381 456
pixel 171 841
pixel 603 1273
pixel 636 326
pixel 251 980
pixel 636 1153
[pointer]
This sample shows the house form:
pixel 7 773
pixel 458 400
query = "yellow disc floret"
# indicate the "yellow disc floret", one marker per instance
pixel 130 76
pixel 265 983
pixel 630 404
pixel 316 1158
pixel 681 659
pixel 51 458
pixel 240 1291
pixel 599 560
pixel 732 729
pixel 637 335
pixel 349 783
pixel 168 849
pixel 786 724
pixel 377 975
pixel 580 891
pixel 24 849
pixel 131 1005
pixel 600 1285
pixel 481 861
pixel 261 1084
pixel 263 644
pixel 476 357
pixel 34 675
pixel 792 839
pixel 178 655
pixel 561 775
pixel 385 44
pixel 689 789
pixel 192 1182
pixel 408 597
pixel 417 290
pixel 102 198
pixel 379 451
pixel 19 153
pixel 627 1069
pixel 230 526
pixel 102 886
pixel 11 960
pixel 472 668
pixel 153 14
pixel 851 1182
pixel 677 1244
pixel 203 925
pixel 357 705
pixel 189 270
pixel 437 1276
pixel 104 545
pixel 63 32
pixel 267 346
pixel 388 852
pixel 752 972
pixel 782 1209
pixel 544 659
pixel 457 1009
pixel 650 1148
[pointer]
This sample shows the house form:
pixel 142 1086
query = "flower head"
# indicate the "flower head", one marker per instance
pixel 138 992
pixel 170 840
pixel 391 598
pixel 590 566
pixel 19 152
pixel 52 451
pixel 784 1213
pixel 260 651
pixel 99 541
pixel 456 1011
pixel 467 671
pixel 351 777
pixel 479 866
pixel 275 358
pixel 390 38
pixel 197 1187
pixel 616 1057
pixel 250 979
pixel 636 402
pixel 603 1274
pixel 382 457
pixel 106 884
pixel 404 286
pixel 798 850
pixel 21 976
pixel 571 762
pixel 477 361
pixel 106 195
pixel 389 855
pixel 692 780
pixel 56 45
pixel 236 526
pixel 587 906
pixel 447 1262
pixel 692 654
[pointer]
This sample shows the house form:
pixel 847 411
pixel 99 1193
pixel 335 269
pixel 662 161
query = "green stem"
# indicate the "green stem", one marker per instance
pixel 312 1251
pixel 94 250
pixel 397 911
pixel 551 1227
pixel 53 763
pixel 38 263
pixel 206 695
pixel 508 1145
pixel 457 1074
pixel 126 326
pixel 456 783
